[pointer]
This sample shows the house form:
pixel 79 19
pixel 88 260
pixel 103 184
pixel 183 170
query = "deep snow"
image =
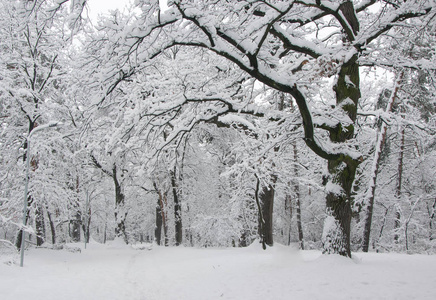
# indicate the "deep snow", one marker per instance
pixel 117 271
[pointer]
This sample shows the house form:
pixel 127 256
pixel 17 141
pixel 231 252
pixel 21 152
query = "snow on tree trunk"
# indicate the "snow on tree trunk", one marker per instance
pixel 397 222
pixel 39 225
pixel 297 198
pixel 120 212
pixel 177 210
pixel 75 223
pixel 158 226
pixel 52 227
pixel 267 205
pixel 337 227
pixel 342 170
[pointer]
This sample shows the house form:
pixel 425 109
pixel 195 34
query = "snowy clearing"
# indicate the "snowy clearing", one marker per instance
pixel 121 272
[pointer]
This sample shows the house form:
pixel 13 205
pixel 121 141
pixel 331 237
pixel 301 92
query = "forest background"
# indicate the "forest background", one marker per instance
pixel 216 123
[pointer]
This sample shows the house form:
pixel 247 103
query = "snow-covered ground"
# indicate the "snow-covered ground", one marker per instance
pixel 121 272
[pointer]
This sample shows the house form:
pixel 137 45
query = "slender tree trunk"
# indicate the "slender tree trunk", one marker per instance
pixel 382 227
pixel 177 210
pixel 76 220
pixel 288 212
pixel 86 223
pixel 381 138
pixel 297 198
pixel 52 227
pixel 20 232
pixel 397 223
pixel 105 231
pixel 120 213
pixel 162 204
pixel 32 125
pixel 165 219
pixel 158 226
pixel 431 215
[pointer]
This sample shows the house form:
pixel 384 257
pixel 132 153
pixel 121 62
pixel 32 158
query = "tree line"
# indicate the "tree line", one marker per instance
pixel 217 123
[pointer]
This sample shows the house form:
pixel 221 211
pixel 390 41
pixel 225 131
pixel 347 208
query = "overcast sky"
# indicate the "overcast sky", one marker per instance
pixel 102 6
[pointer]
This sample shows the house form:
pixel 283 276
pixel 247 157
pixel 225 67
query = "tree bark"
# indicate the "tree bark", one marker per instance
pixel 32 125
pixel 158 226
pixel 75 223
pixel 39 225
pixel 265 203
pixel 337 227
pixel 397 222
pixel 289 211
pixel 177 210
pixel 162 203
pixel 342 170
pixel 52 227
pixel 297 199
pixel 120 213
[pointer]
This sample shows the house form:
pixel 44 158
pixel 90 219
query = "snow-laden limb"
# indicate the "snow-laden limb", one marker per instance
pixel 282 46
pixel 27 228
pixel 244 45
pixel 395 17
pixel 235 119
pixel 8 243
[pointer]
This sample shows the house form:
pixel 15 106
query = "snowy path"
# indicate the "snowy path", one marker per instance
pixel 105 272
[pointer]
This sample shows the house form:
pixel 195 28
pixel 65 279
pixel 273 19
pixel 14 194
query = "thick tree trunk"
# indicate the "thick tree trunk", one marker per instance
pixel 177 210
pixel 39 225
pixel 120 213
pixel 337 227
pixel 342 171
pixel 75 224
pixel 265 203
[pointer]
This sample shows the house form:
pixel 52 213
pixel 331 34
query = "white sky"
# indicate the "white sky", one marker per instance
pixel 97 7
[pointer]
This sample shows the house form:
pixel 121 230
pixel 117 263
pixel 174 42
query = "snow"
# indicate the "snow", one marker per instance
pixel 116 271
pixel 231 118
